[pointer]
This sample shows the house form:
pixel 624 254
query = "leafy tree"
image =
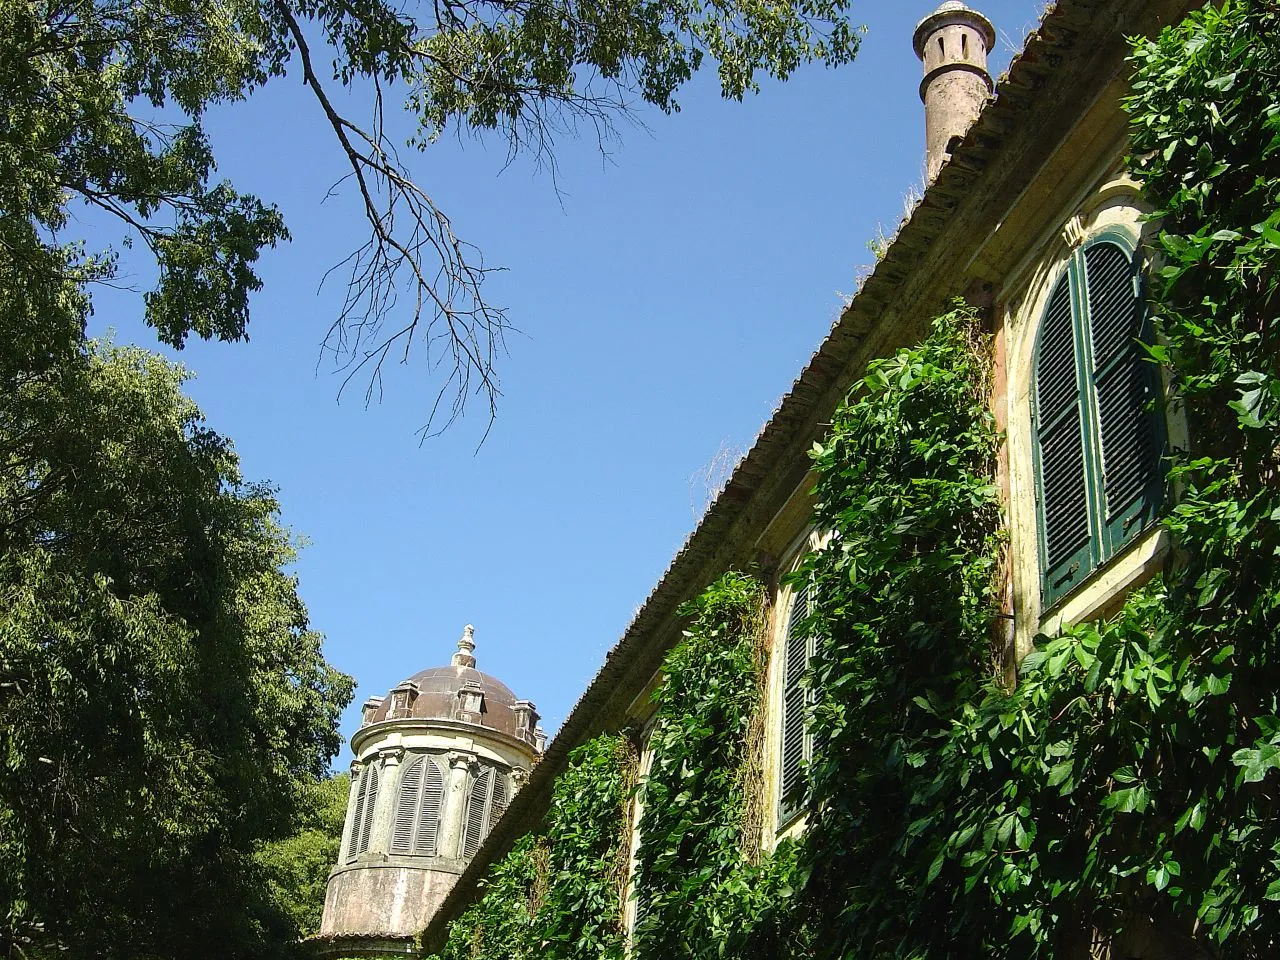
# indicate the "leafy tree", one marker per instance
pixel 163 703
pixel 102 104
pixel 165 710
pixel 296 868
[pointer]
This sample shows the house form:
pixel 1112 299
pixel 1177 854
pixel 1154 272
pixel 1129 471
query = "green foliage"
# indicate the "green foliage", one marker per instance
pixel 103 105
pixel 531 59
pixel 698 890
pixel 1090 787
pixel 163 702
pixel 1125 790
pixel 1206 139
pixel 296 868
pixel 500 925
pixel 558 894
pixel 580 914
pixel 902 616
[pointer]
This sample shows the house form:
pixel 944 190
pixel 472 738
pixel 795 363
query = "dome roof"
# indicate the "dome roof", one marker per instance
pixel 459 693
pixel 451 679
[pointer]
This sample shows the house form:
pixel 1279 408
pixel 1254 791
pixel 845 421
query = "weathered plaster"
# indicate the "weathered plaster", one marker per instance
pixel 385 898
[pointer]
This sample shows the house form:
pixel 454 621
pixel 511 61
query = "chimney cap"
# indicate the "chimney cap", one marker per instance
pixel 953 11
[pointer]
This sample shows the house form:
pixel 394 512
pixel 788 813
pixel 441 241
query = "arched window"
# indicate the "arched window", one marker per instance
pixel 488 800
pixel 362 822
pixel 418 809
pixel 1099 432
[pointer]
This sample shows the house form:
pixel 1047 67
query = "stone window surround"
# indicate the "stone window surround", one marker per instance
pixel 1112 202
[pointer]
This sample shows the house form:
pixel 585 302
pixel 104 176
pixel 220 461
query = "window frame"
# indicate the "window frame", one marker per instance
pixel 1105 541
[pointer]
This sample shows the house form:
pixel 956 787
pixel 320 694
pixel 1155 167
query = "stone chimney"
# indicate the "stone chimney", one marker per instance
pixel 953 42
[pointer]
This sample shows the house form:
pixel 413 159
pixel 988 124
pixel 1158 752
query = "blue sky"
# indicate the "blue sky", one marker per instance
pixel 667 297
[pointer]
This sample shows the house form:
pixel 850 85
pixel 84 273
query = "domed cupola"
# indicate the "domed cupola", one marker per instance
pixel 437 761
pixel 458 694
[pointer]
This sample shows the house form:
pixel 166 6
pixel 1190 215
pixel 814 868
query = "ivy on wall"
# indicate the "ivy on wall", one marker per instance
pixel 902 614
pixel 1123 793
pixel 701 889
pixel 558 894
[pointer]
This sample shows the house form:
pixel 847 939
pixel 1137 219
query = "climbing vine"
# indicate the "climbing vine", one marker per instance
pixel 701 889
pixel 903 613
pixel 558 894
pixel 1124 793
pixel 501 923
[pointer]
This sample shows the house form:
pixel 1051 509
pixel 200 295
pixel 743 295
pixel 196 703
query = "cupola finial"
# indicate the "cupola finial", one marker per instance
pixel 466 645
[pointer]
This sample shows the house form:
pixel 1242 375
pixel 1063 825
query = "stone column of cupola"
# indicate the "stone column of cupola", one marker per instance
pixel 384 810
pixel 454 811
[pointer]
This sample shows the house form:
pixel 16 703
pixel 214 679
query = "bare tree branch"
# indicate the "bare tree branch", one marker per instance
pixel 461 331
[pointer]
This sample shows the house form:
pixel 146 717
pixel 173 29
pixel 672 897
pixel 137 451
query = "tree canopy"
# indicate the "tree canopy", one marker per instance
pixel 296 867
pixel 163 703
pixel 102 103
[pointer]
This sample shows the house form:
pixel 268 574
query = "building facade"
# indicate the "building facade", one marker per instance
pixel 1030 216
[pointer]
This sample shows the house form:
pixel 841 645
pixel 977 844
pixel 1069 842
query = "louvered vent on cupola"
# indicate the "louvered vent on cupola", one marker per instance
pixel 501 788
pixel 357 818
pixel 407 807
pixel 477 808
pixel 366 803
pixel 425 839
pixel 418 809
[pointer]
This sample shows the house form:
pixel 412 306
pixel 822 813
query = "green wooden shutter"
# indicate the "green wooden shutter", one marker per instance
pixel 1130 434
pixel 407 807
pixel 476 808
pixel 795 662
pixel 428 828
pixel 1062 486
